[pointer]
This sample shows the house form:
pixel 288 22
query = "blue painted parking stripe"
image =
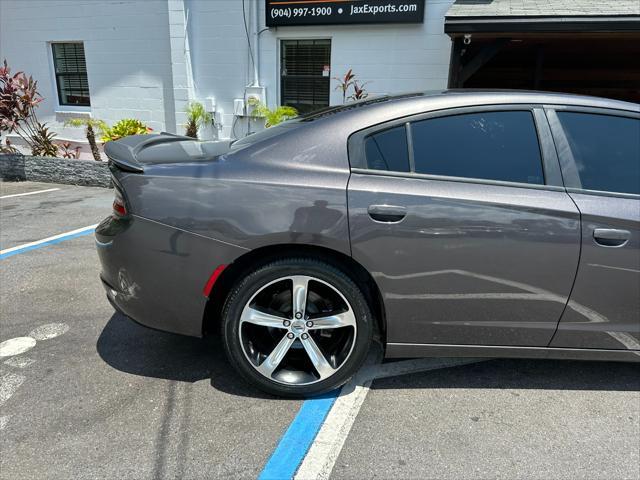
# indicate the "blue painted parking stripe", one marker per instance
pixel 80 232
pixel 295 442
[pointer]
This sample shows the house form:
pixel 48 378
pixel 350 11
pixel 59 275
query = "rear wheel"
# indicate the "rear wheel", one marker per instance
pixel 297 327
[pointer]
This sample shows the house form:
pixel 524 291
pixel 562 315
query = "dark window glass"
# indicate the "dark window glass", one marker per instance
pixel 71 74
pixel 606 150
pixel 388 150
pixel 304 79
pixel 489 145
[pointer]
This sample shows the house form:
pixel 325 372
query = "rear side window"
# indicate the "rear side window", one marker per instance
pixel 606 150
pixel 486 145
pixel 387 150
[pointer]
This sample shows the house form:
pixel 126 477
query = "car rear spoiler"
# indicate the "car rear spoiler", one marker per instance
pixel 123 153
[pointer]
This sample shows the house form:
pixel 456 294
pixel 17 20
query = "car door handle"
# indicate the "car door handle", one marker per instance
pixel 611 237
pixel 387 213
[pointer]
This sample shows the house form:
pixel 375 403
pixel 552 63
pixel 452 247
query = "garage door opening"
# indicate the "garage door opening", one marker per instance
pixel 584 47
pixel 590 64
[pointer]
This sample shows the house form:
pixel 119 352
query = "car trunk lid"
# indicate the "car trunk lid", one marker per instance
pixel 134 153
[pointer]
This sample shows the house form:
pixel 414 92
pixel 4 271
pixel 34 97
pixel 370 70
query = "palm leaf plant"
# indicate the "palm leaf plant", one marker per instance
pixel 197 117
pixel 90 125
pixel 272 116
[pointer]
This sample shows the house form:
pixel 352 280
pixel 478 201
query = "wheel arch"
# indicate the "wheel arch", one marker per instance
pixel 260 256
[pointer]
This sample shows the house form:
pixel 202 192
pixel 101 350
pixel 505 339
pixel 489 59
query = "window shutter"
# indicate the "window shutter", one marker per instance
pixel 303 85
pixel 71 73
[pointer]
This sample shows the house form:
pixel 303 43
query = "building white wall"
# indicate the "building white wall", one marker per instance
pixel 391 58
pixel 147 58
pixel 127 49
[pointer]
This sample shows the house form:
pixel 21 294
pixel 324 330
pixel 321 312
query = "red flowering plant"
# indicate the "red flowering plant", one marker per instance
pixel 19 97
pixel 349 82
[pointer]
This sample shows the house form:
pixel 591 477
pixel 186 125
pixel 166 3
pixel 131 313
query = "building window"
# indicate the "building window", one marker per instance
pixel 304 74
pixel 71 74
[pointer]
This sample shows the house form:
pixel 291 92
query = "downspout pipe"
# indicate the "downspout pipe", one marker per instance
pixel 256 43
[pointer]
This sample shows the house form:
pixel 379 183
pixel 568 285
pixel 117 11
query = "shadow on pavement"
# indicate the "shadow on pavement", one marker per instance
pixel 138 350
pixel 132 348
pixel 525 374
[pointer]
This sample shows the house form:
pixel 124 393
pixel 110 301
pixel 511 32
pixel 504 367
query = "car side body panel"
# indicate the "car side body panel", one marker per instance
pixel 604 311
pixel 156 274
pixel 200 211
pixel 470 263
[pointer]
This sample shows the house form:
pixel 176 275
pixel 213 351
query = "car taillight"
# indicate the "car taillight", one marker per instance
pixel 119 207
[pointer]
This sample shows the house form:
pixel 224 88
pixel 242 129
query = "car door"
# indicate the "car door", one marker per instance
pixel 463 221
pixel 600 157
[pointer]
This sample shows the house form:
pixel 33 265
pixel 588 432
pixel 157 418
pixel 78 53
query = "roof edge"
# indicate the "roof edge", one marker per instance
pixel 507 24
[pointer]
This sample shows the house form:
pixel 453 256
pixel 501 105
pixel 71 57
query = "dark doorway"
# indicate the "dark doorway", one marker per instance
pixel 600 64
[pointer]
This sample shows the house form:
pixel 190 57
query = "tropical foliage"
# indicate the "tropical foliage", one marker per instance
pixel 90 126
pixel 197 117
pixel 65 150
pixel 124 128
pixel 272 116
pixel 19 98
pixel 347 82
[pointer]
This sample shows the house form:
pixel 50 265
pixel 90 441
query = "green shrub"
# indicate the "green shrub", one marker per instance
pixel 124 128
pixel 272 117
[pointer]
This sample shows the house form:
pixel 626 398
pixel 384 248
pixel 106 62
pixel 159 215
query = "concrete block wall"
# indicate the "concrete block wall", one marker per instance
pixel 147 58
pixel 127 50
pixel 392 58
pixel 219 53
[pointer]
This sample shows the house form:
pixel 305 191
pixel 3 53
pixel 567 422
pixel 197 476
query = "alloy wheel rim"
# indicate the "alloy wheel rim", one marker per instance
pixel 297 330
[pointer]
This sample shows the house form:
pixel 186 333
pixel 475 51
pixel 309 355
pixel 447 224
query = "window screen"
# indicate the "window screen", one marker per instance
pixel 488 145
pixel 606 150
pixel 388 150
pixel 304 80
pixel 71 74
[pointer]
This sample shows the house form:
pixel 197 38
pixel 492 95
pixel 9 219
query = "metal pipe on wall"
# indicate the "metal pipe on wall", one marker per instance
pixel 256 32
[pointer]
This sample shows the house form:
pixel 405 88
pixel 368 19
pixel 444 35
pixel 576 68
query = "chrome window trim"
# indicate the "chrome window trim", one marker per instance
pixel 441 178
pixel 549 159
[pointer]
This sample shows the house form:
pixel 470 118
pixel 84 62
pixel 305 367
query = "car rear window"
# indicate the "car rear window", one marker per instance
pixel 606 150
pixel 492 145
pixel 387 150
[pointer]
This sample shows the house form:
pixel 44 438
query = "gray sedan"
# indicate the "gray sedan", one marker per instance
pixel 441 224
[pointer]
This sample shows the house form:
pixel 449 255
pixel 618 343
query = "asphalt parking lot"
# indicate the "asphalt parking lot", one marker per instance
pixel 87 393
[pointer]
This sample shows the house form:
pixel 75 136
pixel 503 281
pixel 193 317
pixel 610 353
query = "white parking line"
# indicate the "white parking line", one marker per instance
pixel 9 383
pixel 48 241
pixel 16 346
pixel 326 447
pixel 29 193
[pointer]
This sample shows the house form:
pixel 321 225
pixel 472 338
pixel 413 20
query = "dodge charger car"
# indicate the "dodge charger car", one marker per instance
pixel 498 224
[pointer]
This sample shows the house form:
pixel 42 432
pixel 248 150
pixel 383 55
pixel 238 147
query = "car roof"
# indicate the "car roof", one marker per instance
pixel 416 102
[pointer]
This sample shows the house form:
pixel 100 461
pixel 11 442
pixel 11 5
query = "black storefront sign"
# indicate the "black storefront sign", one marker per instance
pixel 319 12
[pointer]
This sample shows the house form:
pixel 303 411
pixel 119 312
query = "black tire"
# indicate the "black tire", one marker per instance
pixel 245 289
